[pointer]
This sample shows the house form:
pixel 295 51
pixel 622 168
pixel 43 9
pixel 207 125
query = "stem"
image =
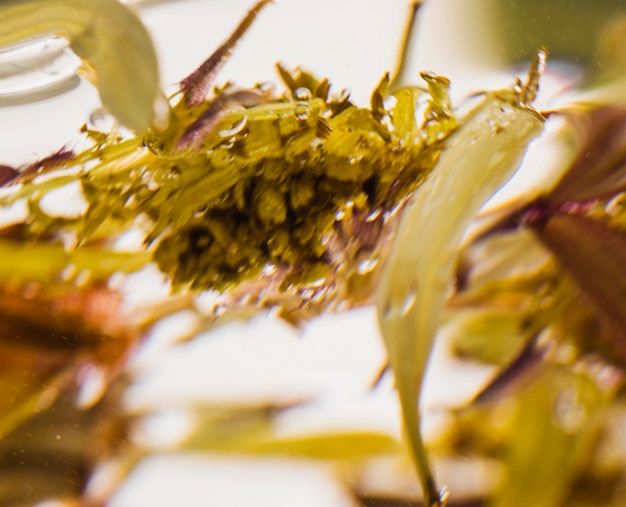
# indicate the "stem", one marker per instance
pixel 412 425
pixel 401 65
pixel 196 86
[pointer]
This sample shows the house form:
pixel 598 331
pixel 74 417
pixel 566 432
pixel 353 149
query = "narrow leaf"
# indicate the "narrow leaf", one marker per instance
pixel 477 160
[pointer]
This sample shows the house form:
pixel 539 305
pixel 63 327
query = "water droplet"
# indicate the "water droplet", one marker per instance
pixel 101 121
pixel 356 159
pixel 306 294
pixel 92 382
pixel 269 269
pixel 266 88
pixel 228 144
pixel 319 296
pixel 444 494
pixel 116 281
pixel 408 303
pixel 68 272
pixel 235 129
pixel 343 95
pixel 367 266
pixel 302 93
pixel 303 110
pixel 82 278
pixel 373 216
pixel 569 413
pixel 401 302
pixel 317 282
pixel 31 290
pixel 615 205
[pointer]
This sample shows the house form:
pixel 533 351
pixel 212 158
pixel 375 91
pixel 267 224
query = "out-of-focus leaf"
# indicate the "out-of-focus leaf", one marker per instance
pixel 491 335
pixel 572 29
pixel 601 482
pixel 65 320
pixel 52 455
pixel 45 262
pixel 46 336
pixel 333 446
pixel 544 436
pixel 553 431
pixel 509 262
pixel 599 170
pixel 30 383
pixel 108 36
pixel 594 255
pixel 521 368
pixel 230 429
pixel 252 430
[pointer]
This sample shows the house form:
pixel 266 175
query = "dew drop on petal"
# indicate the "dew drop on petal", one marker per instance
pixel 303 110
pixel 235 129
pixel 401 302
pixel 101 121
pixel 367 265
pixel 302 93
pixel 373 216
pixel 569 413
pixel 92 381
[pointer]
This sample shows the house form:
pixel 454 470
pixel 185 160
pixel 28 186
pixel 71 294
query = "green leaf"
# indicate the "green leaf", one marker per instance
pixel 44 262
pixel 108 36
pixel 553 430
pixel 492 336
pixel 252 430
pixel 477 160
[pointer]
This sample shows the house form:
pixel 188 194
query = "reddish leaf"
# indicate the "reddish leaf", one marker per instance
pixel 55 161
pixel 59 320
pixel 594 255
pixel 48 336
pixel 7 173
pixel 599 170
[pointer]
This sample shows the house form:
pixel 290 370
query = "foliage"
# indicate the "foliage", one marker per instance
pixel 301 200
